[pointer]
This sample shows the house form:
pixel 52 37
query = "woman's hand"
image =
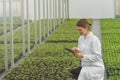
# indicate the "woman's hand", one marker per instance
pixel 75 49
pixel 77 52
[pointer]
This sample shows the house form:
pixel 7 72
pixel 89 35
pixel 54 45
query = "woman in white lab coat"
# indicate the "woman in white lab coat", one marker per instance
pixel 89 51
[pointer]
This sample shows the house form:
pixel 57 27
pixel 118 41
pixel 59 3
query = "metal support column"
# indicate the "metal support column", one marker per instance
pixel 67 9
pixel 35 24
pixel 63 9
pixel 54 14
pixel 51 20
pixel 11 32
pixel 23 27
pixel 5 37
pixel 28 24
pixel 59 12
pixel 44 20
pixel 39 24
pixel 47 17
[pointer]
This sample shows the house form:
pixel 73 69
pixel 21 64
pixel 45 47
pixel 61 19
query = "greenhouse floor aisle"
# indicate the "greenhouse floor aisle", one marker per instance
pixel 96 29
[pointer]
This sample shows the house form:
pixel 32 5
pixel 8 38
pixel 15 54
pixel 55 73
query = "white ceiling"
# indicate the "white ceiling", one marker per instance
pixel 92 8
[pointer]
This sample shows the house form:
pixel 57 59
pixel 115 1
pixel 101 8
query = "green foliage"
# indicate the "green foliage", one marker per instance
pixel 18 40
pixel 47 68
pixel 49 61
pixel 111 46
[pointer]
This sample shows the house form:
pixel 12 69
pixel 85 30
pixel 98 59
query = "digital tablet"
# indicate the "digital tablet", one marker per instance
pixel 70 50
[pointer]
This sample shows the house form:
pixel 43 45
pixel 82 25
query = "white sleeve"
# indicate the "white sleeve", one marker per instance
pixel 96 49
pixel 78 44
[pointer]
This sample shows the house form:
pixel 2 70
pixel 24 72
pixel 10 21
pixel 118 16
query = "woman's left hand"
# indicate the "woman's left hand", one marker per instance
pixel 79 54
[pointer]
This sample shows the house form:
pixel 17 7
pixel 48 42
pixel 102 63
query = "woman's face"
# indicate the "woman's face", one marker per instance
pixel 82 31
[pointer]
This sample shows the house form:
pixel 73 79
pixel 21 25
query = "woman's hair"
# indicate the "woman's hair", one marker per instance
pixel 83 23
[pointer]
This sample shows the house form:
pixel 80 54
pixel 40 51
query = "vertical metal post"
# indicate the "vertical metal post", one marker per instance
pixel 54 13
pixel 5 37
pixel 23 30
pixel 115 8
pixel 67 9
pixel 11 32
pixel 28 24
pixel 119 7
pixel 58 12
pixel 47 17
pixel 50 23
pixel 44 18
pixel 35 25
pixel 63 10
pixel 39 12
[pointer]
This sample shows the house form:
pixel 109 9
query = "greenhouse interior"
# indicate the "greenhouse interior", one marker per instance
pixel 35 33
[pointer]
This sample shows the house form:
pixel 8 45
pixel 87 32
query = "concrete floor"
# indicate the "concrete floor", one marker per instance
pixel 96 29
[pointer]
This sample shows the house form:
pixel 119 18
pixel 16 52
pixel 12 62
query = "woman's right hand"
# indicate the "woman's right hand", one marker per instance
pixel 75 49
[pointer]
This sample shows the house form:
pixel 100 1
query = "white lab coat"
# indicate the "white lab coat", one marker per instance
pixel 92 62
